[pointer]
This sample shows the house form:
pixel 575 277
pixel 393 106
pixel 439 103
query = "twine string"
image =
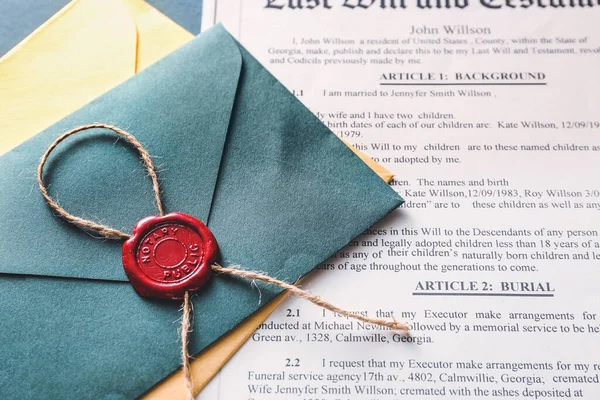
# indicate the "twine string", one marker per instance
pixel 186 321
pixel 102 230
pixel 236 271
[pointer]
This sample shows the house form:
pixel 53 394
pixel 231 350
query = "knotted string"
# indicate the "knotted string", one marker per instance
pixel 111 233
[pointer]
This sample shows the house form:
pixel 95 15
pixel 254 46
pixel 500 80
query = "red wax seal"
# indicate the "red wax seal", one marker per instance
pixel 169 255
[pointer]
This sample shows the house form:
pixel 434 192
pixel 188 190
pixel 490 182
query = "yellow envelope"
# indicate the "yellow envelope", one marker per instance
pixel 86 49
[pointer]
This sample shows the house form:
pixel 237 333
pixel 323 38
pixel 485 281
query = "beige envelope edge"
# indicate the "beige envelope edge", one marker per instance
pixel 42 83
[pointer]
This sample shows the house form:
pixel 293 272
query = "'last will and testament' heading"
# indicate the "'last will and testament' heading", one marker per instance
pixel 426 4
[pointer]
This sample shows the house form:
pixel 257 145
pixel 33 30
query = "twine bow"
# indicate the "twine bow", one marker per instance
pixel 111 233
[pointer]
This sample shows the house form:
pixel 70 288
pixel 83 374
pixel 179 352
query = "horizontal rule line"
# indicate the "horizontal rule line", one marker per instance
pixel 485 294
pixel 465 84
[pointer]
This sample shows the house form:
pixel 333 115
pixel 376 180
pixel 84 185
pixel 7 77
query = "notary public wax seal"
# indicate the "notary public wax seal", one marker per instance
pixel 169 255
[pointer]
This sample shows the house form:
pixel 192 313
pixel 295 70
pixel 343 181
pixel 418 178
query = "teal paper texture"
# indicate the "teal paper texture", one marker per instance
pixel 18 18
pixel 233 148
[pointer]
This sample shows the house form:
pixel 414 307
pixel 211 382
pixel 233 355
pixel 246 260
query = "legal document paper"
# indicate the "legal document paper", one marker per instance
pixel 488 113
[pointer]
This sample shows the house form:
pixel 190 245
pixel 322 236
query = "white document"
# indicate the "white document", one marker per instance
pixel 488 113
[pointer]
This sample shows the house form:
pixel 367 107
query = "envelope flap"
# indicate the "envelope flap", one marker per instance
pixel 179 109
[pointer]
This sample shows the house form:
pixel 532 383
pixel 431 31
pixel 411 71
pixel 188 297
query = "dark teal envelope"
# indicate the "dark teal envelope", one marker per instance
pixel 235 149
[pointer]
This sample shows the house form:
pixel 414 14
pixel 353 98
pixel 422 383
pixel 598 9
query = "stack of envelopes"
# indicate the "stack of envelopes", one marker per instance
pixel 234 148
